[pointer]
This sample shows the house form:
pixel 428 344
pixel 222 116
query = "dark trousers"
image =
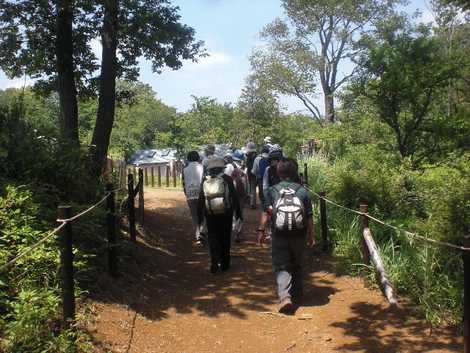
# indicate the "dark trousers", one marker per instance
pixel 219 229
pixel 259 183
pixel 287 255
pixel 252 189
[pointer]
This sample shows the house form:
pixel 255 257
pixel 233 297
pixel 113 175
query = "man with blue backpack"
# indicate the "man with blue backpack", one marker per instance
pixel 289 208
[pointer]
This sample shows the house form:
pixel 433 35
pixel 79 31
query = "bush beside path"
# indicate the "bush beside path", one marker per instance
pixel 167 301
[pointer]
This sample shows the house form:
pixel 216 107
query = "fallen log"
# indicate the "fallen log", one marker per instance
pixel 375 257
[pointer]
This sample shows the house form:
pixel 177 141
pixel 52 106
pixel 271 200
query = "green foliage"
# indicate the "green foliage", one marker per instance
pixel 404 72
pixel 150 28
pixel 29 289
pixel 432 202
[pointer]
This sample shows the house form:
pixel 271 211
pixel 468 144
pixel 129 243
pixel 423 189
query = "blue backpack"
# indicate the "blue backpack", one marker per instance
pixel 263 164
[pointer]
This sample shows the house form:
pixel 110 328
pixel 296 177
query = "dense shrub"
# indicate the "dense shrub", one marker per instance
pixel 433 201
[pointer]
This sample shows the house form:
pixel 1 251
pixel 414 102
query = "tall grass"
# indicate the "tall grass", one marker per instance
pixel 430 276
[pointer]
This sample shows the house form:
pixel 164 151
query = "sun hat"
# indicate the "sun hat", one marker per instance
pixel 250 147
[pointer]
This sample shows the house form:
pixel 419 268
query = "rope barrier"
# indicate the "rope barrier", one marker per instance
pixel 54 231
pixel 65 220
pixel 399 230
pixel 31 248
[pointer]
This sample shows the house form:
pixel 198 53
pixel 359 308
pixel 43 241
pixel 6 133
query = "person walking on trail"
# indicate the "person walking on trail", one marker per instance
pixel 250 159
pixel 270 176
pixel 259 167
pixel 192 179
pixel 238 176
pixel 218 201
pixel 268 141
pixel 288 206
pixel 209 151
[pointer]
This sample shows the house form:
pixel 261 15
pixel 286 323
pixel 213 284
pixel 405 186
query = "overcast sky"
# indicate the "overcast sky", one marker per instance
pixel 230 30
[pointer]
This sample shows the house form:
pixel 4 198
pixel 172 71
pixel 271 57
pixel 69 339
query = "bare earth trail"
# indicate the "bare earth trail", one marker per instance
pixel 167 301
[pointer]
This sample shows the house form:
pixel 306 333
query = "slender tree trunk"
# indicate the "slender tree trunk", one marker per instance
pixel 65 73
pixel 107 92
pixel 329 107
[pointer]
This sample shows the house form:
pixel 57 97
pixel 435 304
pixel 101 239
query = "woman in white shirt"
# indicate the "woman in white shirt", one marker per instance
pixel 192 179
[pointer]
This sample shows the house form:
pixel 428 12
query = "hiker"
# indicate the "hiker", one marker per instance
pixel 229 166
pixel 192 179
pixel 209 151
pixel 270 176
pixel 259 167
pixel 233 170
pixel 250 159
pixel 218 201
pixel 268 141
pixel 288 206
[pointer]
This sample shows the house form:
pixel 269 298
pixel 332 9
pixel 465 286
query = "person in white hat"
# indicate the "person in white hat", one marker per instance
pixel 218 201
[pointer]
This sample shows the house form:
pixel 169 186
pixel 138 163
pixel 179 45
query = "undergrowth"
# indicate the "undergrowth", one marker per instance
pixel 432 202
pixel 30 304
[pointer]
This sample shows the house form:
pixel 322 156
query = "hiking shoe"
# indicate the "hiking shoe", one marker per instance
pixel 214 268
pixel 286 306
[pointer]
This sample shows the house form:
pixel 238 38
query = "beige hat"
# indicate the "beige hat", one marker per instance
pixel 215 162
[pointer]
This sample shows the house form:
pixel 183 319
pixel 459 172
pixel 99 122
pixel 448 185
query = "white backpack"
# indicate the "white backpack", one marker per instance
pixel 289 212
pixel 217 195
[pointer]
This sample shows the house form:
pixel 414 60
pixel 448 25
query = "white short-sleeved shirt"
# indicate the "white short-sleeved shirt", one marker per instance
pixel 192 175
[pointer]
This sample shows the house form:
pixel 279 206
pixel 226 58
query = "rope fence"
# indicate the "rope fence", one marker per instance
pixel 397 229
pixel 371 254
pixel 65 235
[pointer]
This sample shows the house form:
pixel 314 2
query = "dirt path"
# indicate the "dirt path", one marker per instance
pixel 167 301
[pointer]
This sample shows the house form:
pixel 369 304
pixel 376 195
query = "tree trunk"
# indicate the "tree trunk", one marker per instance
pixel 329 107
pixel 107 92
pixel 65 73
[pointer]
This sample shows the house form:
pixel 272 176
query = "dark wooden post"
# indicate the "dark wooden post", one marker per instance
pixel 323 221
pixel 182 173
pixel 305 174
pixel 141 196
pixel 146 177
pixel 174 174
pixel 365 224
pixel 301 176
pixel 159 176
pixel 66 268
pixel 152 177
pixel 111 233
pixel 466 295
pixel 130 206
pixel 167 176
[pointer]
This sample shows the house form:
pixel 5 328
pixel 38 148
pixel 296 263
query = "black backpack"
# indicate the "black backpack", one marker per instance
pixel 289 217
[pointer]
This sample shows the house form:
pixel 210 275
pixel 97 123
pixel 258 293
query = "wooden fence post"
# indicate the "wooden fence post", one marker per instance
pixel 365 224
pixel 323 221
pixel 66 268
pixel 141 196
pixel 466 294
pixel 130 206
pixel 111 230
pixel 152 177
pixel 167 176
pixel 174 175
pixel 146 177
pixel 306 174
pixel 159 176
